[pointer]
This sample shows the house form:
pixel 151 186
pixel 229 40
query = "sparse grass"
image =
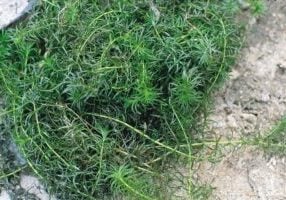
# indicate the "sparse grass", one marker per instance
pixel 274 142
pixel 257 7
pixel 101 95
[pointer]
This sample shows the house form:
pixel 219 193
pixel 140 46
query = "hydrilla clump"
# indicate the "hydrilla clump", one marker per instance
pixel 100 93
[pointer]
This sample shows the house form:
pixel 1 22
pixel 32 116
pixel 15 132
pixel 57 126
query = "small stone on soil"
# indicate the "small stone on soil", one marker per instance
pixel 4 195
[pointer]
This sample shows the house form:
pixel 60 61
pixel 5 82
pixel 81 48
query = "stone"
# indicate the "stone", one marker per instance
pixel 4 195
pixel 33 186
pixel 12 10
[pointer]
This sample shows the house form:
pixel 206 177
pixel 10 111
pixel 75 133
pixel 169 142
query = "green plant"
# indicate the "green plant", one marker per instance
pixel 274 142
pixel 101 94
pixel 125 180
pixel 257 7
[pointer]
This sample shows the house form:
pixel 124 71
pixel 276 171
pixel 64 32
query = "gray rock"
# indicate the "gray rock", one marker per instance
pixel 4 195
pixel 12 10
pixel 33 186
pixel 244 4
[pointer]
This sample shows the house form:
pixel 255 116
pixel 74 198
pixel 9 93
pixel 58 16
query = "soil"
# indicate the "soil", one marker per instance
pixel 251 102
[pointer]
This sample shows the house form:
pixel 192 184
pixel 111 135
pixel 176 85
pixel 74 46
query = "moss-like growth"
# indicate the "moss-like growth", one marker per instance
pixel 102 93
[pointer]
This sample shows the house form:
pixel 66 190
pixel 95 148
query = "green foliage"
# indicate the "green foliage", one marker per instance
pixel 257 7
pixel 275 141
pixel 95 86
pixel 202 192
pixel 184 91
pixel 136 187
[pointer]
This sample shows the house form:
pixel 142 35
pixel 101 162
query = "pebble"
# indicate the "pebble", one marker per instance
pixel 249 118
pixel 231 122
pixel 4 195
pixel 11 10
pixel 244 4
pixel 33 186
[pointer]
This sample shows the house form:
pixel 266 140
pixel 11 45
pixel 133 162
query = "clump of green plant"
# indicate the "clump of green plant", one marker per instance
pixel 101 94
pixel 274 142
pixel 257 7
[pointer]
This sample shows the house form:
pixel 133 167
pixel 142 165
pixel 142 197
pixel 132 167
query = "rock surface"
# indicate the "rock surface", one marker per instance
pixel 4 195
pixel 33 186
pixel 11 10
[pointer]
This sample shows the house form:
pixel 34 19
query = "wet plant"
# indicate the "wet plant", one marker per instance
pixel 101 95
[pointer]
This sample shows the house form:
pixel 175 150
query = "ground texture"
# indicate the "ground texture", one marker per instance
pixel 252 101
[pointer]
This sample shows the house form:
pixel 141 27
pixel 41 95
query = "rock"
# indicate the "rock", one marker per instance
pixel 33 186
pixel 250 118
pixel 234 74
pixel 231 122
pixel 19 159
pixel 244 4
pixel 11 10
pixel 4 195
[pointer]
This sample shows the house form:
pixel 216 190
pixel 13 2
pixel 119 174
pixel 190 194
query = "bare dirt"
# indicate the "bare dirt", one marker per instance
pixel 251 102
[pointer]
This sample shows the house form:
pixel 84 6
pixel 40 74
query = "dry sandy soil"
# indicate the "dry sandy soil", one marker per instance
pixel 253 99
